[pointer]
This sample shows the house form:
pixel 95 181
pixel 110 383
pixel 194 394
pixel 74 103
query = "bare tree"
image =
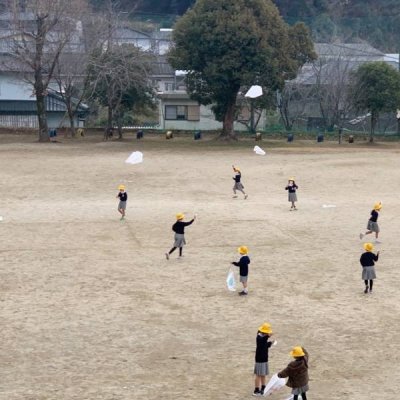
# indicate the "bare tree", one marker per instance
pixel 294 102
pixel 71 72
pixel 119 80
pixel 332 89
pixel 42 30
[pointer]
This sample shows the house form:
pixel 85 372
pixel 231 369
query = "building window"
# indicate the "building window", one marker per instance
pixel 188 113
pixel 168 86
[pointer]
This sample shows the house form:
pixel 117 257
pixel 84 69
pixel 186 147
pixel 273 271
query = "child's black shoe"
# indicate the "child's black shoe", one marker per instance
pixel 256 392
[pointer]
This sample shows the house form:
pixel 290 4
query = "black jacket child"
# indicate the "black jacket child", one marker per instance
pixel 243 264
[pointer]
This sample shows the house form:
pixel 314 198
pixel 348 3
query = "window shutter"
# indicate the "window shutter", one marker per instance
pixel 193 113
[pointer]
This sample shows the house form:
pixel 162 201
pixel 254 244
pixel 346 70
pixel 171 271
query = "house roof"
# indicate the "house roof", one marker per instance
pixel 129 33
pixel 347 49
pixel 161 67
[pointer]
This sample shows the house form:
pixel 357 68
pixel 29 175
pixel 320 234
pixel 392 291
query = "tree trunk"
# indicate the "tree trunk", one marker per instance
pixel 109 129
pixel 39 86
pixel 42 118
pixel 374 120
pixel 229 117
pixel 71 122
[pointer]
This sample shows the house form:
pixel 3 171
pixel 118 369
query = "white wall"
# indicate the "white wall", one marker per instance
pixel 207 119
pixel 12 87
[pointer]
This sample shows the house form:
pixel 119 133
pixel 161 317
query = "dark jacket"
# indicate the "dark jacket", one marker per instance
pixel 262 348
pixel 297 372
pixel 243 265
pixel 179 226
pixel 292 189
pixel 368 259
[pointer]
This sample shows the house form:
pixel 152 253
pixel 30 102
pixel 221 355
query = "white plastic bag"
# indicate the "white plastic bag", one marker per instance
pixel 231 281
pixel 135 158
pixel 258 150
pixel 274 385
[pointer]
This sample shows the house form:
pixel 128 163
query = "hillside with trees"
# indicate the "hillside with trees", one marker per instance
pixel 377 22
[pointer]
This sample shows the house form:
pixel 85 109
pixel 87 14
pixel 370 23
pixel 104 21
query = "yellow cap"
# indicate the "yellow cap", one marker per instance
pixel 291 178
pixel 179 216
pixel 265 328
pixel 121 187
pixel 368 246
pixel 297 352
pixel 378 206
pixel 243 250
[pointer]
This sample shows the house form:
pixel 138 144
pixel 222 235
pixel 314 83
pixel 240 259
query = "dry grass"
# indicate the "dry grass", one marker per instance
pixel 90 308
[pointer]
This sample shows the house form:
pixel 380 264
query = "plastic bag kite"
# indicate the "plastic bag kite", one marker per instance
pixel 231 281
pixel 259 151
pixel 135 158
pixel 274 385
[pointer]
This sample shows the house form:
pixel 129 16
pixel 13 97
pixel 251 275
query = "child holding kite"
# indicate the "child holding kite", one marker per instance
pixel 261 369
pixel 243 265
pixel 297 372
pixel 238 185
pixel 123 197
pixel 179 229
pixel 291 188
pixel 373 222
pixel 367 261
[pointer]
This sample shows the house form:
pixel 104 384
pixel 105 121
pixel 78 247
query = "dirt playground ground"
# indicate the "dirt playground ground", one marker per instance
pixel 91 309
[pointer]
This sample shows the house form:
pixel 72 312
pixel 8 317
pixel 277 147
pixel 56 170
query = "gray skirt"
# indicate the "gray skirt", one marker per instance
pixel 179 240
pixel 261 369
pixel 300 390
pixel 243 278
pixel 292 197
pixel 368 273
pixel 122 205
pixel 373 226
pixel 238 186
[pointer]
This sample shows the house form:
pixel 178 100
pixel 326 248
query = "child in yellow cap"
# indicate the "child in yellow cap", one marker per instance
pixel 372 225
pixel 261 369
pixel 238 185
pixel 367 261
pixel 243 264
pixel 291 188
pixel 123 197
pixel 179 229
pixel 297 372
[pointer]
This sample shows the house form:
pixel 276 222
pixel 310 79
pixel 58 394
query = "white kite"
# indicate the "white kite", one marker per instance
pixel 259 151
pixel 254 92
pixel 274 385
pixel 135 158
pixel 231 281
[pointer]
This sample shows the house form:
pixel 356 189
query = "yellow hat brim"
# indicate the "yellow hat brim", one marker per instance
pixel 368 246
pixel 265 330
pixel 242 251
pixel 297 354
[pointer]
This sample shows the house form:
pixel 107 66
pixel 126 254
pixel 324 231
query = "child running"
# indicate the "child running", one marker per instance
pixel 373 222
pixel 261 369
pixel 292 187
pixel 367 261
pixel 297 372
pixel 123 197
pixel 238 185
pixel 179 229
pixel 243 264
